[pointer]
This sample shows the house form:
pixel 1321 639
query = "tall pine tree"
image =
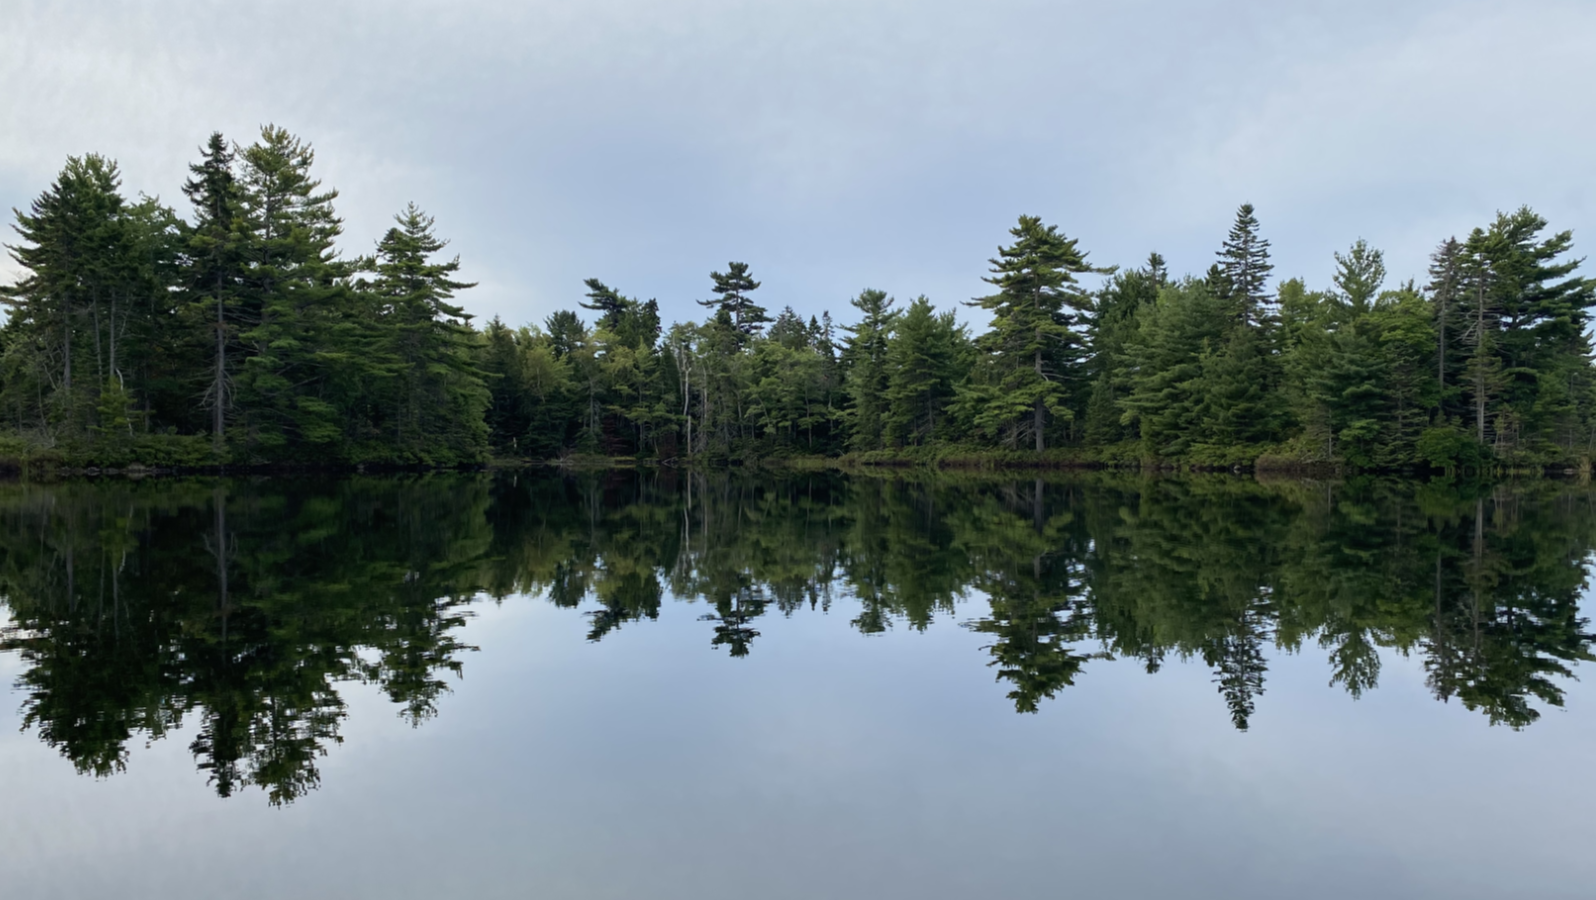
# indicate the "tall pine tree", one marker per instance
pixel 1033 347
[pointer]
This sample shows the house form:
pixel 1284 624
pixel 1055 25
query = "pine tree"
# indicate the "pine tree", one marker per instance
pixel 865 365
pixel 1543 343
pixel 1482 310
pixel 437 410
pixel 604 300
pixel 1157 270
pixel 566 331
pixel 1244 260
pixel 1359 274
pixel 732 289
pixel 304 349
pixel 1446 279
pixel 1034 346
pixel 76 255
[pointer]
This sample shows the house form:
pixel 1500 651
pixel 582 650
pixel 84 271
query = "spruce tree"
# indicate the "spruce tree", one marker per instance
pixel 1244 260
pixel 789 330
pixel 216 268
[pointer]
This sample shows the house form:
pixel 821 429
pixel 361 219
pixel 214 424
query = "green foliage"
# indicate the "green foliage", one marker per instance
pixel 926 358
pixel 1032 356
pixel 1244 266
pixel 867 379
pixel 246 325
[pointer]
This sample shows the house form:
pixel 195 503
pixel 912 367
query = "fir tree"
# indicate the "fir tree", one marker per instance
pixel 1244 260
pixel 217 266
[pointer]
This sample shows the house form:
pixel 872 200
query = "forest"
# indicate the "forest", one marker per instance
pixel 238 333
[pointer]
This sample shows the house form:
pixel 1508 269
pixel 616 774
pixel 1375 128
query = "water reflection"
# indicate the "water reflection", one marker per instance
pixel 241 607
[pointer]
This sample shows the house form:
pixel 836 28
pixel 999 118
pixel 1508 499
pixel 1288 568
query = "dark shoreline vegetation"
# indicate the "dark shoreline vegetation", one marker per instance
pixel 240 337
pixel 240 609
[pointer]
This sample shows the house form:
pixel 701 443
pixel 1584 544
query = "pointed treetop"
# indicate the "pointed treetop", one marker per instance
pixel 1038 269
pixel 1157 269
pixel 1359 275
pixel 1244 259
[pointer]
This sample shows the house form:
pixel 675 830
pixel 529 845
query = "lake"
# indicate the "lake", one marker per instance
pixel 732 684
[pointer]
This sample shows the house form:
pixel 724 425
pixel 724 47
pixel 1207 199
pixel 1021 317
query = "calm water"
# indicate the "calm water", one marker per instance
pixel 645 685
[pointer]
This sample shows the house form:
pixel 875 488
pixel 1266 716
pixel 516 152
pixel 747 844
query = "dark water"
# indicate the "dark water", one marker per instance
pixel 632 685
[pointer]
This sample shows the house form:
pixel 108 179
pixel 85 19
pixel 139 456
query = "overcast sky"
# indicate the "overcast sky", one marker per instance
pixel 835 144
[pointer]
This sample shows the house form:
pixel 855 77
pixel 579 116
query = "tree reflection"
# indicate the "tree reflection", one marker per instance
pixel 239 608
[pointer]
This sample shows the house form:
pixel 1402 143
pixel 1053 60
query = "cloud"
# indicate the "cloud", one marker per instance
pixel 833 145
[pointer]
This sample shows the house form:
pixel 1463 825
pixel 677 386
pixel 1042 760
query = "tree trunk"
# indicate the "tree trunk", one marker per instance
pixel 219 387
pixel 1479 351
pixel 1041 411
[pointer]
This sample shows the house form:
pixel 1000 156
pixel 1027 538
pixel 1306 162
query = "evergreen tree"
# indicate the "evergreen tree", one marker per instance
pixel 926 356
pixel 1444 290
pixel 867 375
pixel 732 289
pixel 1244 260
pixel 69 312
pixel 1110 324
pixel 606 302
pixel 304 351
pixel 566 331
pixel 1241 403
pixel 1164 363
pixel 217 265
pixel 1034 346
pixel 426 340
pixel 789 330
pixel 1359 275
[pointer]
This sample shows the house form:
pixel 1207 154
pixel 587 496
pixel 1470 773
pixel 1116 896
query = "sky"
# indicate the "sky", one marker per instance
pixel 834 145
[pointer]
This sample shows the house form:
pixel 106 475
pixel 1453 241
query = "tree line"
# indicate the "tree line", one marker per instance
pixel 241 335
